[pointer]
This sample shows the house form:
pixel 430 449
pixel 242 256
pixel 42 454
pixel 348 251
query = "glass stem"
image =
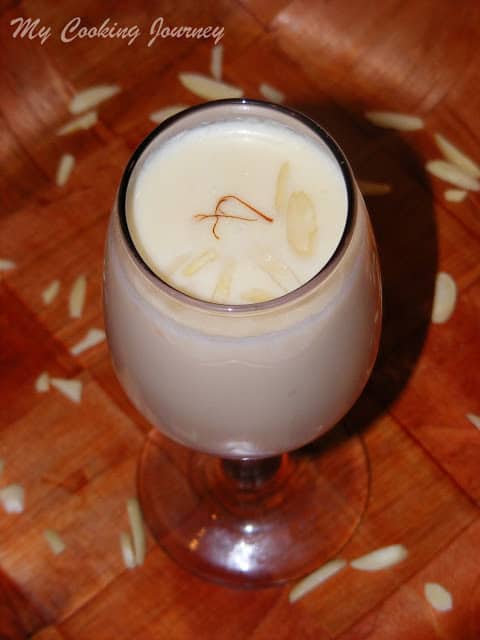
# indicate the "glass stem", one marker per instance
pixel 251 473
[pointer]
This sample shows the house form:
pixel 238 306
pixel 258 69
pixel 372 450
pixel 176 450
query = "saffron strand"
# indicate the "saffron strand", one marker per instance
pixel 220 213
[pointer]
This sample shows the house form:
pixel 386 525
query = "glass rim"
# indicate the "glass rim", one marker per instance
pixel 286 298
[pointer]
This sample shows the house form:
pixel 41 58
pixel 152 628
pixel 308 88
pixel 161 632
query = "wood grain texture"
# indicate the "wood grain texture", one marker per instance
pixel 332 60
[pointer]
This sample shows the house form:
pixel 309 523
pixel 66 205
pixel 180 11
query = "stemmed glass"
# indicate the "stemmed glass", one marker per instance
pixel 227 484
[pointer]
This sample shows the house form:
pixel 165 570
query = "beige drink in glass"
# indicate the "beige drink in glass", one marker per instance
pixel 258 379
pixel 242 289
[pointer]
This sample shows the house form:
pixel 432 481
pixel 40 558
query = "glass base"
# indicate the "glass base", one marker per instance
pixel 254 523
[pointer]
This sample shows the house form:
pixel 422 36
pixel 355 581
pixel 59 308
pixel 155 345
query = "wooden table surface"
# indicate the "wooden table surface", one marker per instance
pixel 334 60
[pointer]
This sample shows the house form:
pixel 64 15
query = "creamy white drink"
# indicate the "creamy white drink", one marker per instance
pixel 241 380
pixel 236 212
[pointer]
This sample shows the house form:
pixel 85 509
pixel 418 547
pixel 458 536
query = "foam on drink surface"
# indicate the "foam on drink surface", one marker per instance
pixel 237 212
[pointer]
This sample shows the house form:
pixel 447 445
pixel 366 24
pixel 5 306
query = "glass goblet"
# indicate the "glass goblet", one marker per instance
pixel 227 484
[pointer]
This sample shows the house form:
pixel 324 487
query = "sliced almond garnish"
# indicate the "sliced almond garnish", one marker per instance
pixel 254 295
pixel 381 558
pixel 301 223
pixel 54 541
pixel 6 264
pixel 444 298
pixel 92 96
pixel 315 579
pixel 278 271
pixel 83 122
pixel 457 157
pixel 138 532
pixel 176 263
pixel 271 94
pixel 438 597
pixel 474 419
pixel 167 112
pixel 126 547
pixel 207 88
pixel 78 293
pixel 452 174
pixel 198 262
pixel 221 293
pixel 71 389
pixel 216 61
pixel 369 188
pixel 50 293
pixel 281 193
pixel 394 120
pixel 92 338
pixel 12 498
pixel 42 383
pixel 455 195
pixel 64 169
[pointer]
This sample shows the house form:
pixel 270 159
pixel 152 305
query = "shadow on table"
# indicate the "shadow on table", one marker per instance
pixel 405 230
pixel 18 619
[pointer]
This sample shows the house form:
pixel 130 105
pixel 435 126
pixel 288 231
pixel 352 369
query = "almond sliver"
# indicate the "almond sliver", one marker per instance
pixel 167 112
pixel 42 383
pixel 54 541
pixel 457 157
pixel 221 293
pixel 50 293
pixel 138 532
pixel 83 122
pixel 253 296
pixel 71 389
pixel 281 274
pixel 315 579
pixel 64 169
pixel 126 547
pixel 216 61
pixel 452 174
pixel 177 262
pixel 78 293
pixel 92 338
pixel 6 264
pixel 455 195
pixel 380 558
pixel 12 498
pixel 271 93
pixel 92 96
pixel 394 120
pixel 474 419
pixel 301 223
pixel 438 597
pixel 444 298
pixel 208 88
pixel 198 262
